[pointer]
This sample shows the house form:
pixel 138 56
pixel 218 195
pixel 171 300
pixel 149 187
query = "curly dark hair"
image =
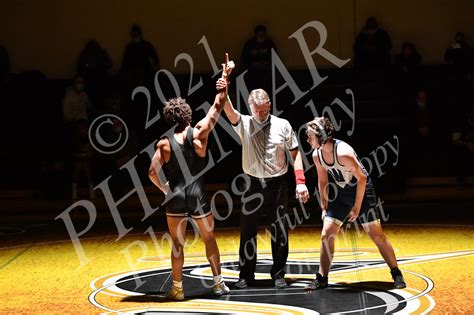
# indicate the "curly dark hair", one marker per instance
pixel 178 112
pixel 317 123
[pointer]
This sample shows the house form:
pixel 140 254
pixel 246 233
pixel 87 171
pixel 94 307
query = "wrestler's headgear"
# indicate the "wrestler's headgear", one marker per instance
pixel 322 128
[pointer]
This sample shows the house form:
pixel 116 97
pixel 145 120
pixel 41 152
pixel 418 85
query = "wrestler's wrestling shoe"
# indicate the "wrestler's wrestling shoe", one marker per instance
pixel 398 281
pixel 319 283
pixel 221 289
pixel 175 294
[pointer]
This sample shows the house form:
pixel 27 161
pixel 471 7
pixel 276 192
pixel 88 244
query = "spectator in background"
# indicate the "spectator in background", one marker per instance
pixel 408 62
pixel 4 64
pixel 82 156
pixel 417 122
pixel 420 133
pixel 76 109
pixel 463 146
pixel 94 65
pixel 457 50
pixel 409 59
pixel 140 59
pixel 423 114
pixel 463 134
pixel 461 55
pixel 76 104
pixel 372 46
pixel 114 102
pixel 257 58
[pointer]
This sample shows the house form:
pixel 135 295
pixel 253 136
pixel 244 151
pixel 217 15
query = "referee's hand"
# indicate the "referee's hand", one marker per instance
pixel 302 192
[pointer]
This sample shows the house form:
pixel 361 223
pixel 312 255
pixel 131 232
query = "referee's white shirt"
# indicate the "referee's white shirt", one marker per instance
pixel 264 146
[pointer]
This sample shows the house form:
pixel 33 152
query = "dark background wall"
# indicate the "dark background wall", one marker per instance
pixel 48 35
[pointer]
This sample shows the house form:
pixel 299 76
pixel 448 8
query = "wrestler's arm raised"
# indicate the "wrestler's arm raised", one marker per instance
pixel 205 126
pixel 232 114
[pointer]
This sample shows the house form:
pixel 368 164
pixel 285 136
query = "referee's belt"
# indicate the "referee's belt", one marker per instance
pixel 266 179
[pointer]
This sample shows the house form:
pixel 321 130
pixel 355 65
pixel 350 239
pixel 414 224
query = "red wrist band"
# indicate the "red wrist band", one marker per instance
pixel 299 175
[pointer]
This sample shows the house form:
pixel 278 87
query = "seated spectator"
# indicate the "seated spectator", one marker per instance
pixel 418 123
pixel 76 104
pixel 461 55
pixel 456 51
pixel 257 57
pixel 140 59
pixel 372 46
pixel 409 58
pixel 408 62
pixel 463 135
pixel 423 115
pixel 463 146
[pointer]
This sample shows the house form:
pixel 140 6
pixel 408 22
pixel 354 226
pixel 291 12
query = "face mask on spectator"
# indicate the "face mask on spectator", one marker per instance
pixel 79 87
pixel 421 104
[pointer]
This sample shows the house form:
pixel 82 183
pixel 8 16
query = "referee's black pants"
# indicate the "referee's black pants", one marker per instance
pixel 271 196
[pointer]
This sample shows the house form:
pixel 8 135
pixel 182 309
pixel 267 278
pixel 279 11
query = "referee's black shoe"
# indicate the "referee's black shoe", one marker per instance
pixel 243 283
pixel 280 282
pixel 398 281
pixel 319 283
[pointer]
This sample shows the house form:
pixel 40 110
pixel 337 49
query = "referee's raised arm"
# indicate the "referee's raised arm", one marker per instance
pixel 232 114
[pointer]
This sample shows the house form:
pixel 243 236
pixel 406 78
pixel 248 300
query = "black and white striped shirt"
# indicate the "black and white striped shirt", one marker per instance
pixel 264 145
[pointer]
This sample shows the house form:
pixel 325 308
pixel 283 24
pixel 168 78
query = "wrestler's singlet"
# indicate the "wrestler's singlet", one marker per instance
pixel 188 194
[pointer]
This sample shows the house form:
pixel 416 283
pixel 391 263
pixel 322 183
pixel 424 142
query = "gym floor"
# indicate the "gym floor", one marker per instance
pixel 42 271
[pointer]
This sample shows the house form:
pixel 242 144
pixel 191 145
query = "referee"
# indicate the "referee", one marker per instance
pixel 266 140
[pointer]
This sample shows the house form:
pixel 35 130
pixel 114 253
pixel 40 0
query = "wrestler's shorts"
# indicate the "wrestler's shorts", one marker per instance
pixel 341 201
pixel 182 205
